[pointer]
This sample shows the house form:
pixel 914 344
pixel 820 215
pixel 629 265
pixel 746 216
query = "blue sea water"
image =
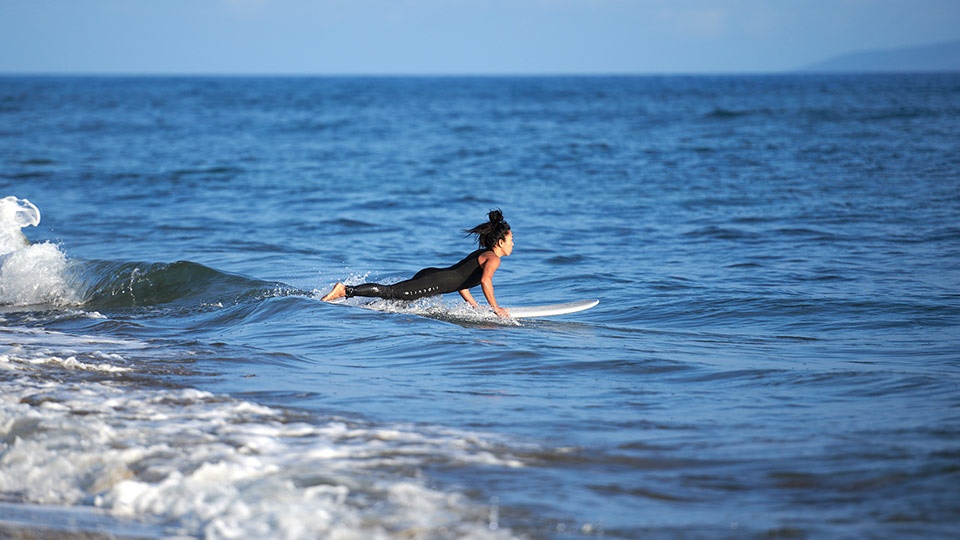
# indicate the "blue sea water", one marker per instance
pixel 775 353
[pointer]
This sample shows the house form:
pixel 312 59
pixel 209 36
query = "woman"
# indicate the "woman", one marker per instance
pixel 477 268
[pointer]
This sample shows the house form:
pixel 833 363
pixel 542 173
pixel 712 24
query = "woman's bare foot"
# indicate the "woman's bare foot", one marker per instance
pixel 339 291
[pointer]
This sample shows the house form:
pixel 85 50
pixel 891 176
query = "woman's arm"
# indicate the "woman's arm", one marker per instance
pixel 490 265
pixel 465 293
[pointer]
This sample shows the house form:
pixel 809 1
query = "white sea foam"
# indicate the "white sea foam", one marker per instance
pixel 29 274
pixel 16 214
pixel 202 465
pixel 22 347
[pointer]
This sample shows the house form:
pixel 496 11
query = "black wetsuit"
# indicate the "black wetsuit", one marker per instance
pixel 465 274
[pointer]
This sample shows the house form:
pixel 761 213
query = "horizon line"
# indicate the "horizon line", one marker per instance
pixel 466 75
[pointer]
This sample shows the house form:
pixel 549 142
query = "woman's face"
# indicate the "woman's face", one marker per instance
pixel 506 245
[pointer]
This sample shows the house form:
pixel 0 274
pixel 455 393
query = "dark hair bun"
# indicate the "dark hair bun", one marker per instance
pixel 496 216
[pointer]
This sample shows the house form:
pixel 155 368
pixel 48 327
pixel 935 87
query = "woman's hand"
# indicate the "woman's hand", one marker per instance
pixel 468 298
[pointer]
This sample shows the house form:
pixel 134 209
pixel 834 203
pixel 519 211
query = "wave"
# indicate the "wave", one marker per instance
pixel 720 113
pixel 41 276
pixel 33 275
pixel 109 284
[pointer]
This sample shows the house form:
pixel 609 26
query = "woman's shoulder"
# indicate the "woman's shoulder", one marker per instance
pixel 475 257
pixel 485 255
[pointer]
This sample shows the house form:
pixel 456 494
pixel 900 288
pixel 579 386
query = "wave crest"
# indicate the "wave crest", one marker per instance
pixel 41 274
pixel 107 284
pixel 34 275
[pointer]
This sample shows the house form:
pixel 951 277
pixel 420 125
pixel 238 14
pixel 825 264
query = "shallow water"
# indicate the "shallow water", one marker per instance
pixel 775 351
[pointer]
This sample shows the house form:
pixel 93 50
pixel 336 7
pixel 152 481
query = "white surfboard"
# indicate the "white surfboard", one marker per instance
pixel 518 312
pixel 527 312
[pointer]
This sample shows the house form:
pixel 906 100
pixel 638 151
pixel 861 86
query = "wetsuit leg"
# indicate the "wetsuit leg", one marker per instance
pixel 427 282
pixel 373 290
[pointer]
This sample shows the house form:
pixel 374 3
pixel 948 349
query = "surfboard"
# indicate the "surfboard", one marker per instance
pixel 528 312
pixel 517 312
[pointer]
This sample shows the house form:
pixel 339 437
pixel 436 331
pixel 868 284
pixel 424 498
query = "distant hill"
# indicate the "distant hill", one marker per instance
pixel 938 57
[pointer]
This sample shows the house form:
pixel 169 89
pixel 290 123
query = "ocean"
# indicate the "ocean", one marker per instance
pixel 776 352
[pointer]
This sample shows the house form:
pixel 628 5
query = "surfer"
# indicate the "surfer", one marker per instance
pixel 477 268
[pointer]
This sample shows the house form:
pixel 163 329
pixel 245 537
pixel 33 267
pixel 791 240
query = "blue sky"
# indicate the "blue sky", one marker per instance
pixel 455 36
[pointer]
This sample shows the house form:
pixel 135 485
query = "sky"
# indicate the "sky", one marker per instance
pixel 456 37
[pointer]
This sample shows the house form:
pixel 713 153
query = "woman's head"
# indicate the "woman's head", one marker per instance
pixel 494 231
